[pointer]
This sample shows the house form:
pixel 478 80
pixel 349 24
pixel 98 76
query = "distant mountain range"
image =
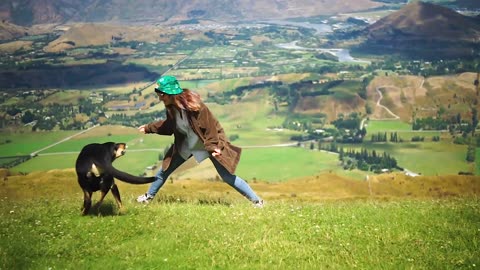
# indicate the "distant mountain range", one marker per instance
pixel 424 28
pixel 418 29
pixel 29 12
pixel 419 20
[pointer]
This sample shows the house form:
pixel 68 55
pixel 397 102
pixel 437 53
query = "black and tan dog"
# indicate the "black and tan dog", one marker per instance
pixel 95 172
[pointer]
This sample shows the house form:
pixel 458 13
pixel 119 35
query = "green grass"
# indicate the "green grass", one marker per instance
pixel 134 162
pixel 26 142
pixel 271 163
pixel 346 90
pixel 427 158
pixel 77 144
pixel 143 150
pixel 387 125
pixel 268 164
pixel 49 233
pixel 283 163
pixel 196 85
pixel 66 97
pixel 46 163
pixel 477 161
pixel 433 158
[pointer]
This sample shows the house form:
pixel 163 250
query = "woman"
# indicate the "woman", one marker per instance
pixel 196 133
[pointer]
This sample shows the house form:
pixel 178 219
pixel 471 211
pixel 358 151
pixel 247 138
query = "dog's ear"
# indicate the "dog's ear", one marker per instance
pixel 111 147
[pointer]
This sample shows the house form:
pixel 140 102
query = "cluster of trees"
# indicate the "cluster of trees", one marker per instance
pixel 136 119
pixel 62 116
pixel 54 115
pixel 382 137
pixel 418 139
pixel 345 130
pixel 351 122
pixel 453 124
pixel 471 151
pixel 13 161
pixel 349 128
pixel 367 161
pixel 430 123
pixel 363 160
pixel 425 68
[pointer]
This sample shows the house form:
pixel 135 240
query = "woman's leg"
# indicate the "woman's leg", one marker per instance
pixel 236 182
pixel 162 176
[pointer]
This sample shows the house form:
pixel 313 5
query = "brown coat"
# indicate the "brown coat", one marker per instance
pixel 208 129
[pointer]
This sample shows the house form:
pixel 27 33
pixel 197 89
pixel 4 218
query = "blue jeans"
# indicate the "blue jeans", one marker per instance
pixel 234 181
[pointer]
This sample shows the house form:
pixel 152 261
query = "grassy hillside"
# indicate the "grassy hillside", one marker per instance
pixel 321 222
pixel 423 97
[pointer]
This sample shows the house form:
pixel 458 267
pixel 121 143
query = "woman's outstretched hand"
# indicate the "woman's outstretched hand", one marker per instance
pixel 141 128
pixel 216 152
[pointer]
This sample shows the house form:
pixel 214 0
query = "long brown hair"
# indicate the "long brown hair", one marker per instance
pixel 188 100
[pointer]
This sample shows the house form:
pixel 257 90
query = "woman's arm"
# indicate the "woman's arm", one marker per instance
pixel 162 127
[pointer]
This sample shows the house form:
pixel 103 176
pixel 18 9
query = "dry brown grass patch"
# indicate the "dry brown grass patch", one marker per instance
pixel 11 47
pixel 63 183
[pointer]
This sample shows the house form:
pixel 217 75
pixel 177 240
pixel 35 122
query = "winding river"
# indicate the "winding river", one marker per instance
pixel 342 54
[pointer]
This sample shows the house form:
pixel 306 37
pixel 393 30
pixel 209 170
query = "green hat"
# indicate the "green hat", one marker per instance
pixel 168 85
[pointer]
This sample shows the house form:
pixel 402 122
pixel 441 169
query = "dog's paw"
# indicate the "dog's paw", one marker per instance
pixel 122 211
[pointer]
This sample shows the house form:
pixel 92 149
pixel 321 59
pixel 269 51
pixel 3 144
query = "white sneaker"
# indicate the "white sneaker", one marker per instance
pixel 259 204
pixel 145 198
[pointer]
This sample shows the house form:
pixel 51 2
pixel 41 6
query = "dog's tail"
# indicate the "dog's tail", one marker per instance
pixel 126 177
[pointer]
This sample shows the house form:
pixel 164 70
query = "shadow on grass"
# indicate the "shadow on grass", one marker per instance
pixel 107 208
